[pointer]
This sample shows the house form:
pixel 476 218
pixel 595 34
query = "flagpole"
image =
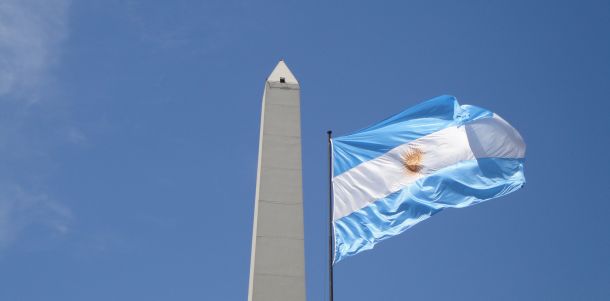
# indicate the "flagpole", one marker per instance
pixel 330 216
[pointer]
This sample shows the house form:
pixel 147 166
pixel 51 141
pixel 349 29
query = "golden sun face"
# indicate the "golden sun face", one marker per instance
pixel 412 160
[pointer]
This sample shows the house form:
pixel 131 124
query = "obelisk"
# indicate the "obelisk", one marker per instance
pixel 277 264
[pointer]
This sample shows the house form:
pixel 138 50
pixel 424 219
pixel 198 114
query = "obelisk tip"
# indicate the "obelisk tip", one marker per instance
pixel 282 74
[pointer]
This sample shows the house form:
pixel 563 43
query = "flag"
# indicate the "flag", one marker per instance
pixel 397 173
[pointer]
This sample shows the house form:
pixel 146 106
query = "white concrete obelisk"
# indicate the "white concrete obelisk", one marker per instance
pixel 277 264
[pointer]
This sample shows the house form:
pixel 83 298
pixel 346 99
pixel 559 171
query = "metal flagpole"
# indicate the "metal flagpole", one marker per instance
pixel 330 215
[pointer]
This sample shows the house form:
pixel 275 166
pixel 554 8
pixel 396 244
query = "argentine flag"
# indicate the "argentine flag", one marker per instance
pixel 436 155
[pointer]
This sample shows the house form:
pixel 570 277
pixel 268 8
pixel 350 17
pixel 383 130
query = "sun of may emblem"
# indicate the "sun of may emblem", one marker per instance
pixel 412 159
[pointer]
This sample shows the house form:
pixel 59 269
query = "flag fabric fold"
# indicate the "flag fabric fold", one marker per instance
pixel 436 155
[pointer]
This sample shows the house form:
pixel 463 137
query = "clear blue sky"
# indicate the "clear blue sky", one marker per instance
pixel 129 138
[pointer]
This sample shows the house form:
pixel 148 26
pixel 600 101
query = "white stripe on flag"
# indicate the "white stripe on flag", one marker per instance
pixel 377 178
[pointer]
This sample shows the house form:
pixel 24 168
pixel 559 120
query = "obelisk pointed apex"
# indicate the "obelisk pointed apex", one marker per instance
pixel 282 74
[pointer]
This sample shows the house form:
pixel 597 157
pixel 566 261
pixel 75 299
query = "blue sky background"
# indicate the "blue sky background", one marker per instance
pixel 129 138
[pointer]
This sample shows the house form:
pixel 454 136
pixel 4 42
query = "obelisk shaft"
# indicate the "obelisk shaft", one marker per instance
pixel 277 266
